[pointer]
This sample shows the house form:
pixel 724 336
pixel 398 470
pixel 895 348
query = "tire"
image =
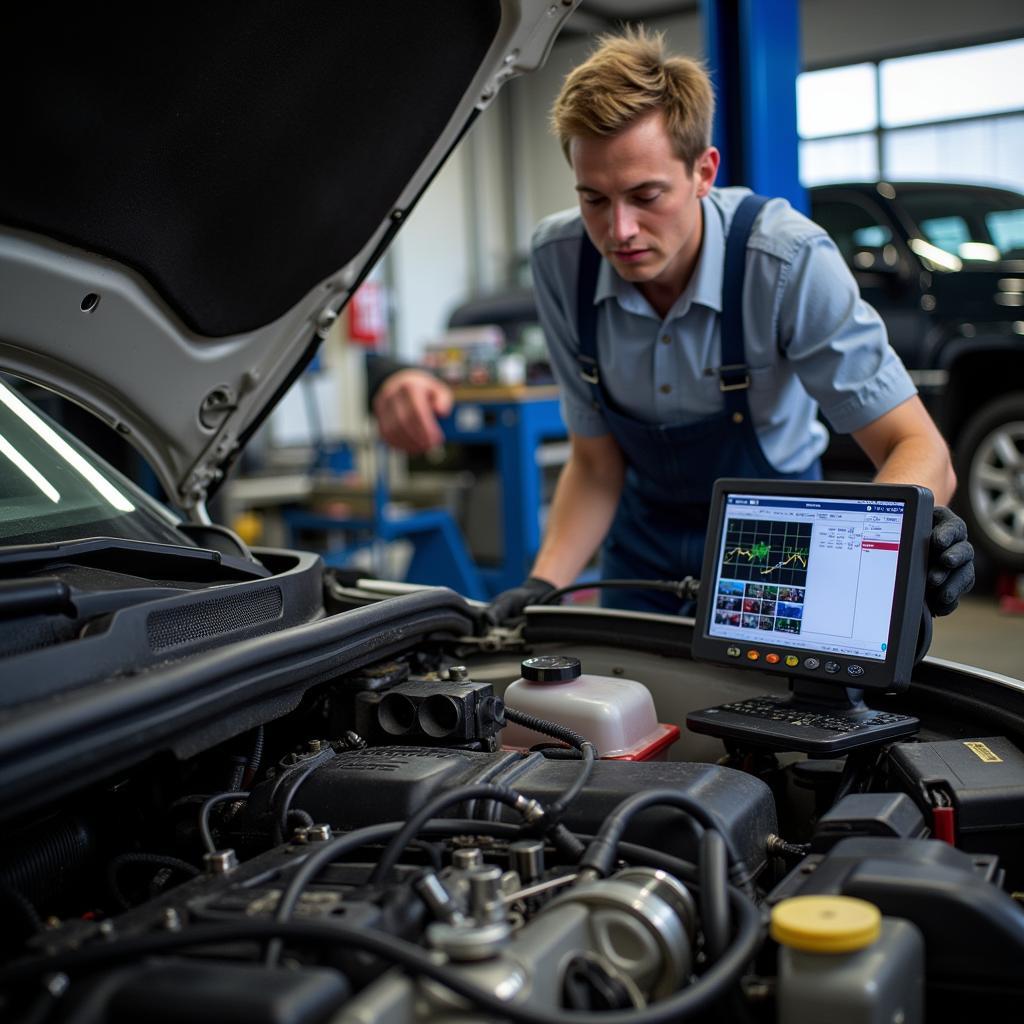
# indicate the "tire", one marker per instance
pixel 990 470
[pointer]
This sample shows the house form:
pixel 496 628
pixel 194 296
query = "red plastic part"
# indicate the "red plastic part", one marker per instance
pixel 654 750
pixel 944 824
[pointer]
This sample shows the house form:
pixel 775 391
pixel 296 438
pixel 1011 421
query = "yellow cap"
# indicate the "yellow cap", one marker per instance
pixel 826 924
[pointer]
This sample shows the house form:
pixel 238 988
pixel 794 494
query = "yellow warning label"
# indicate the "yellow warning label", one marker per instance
pixel 986 754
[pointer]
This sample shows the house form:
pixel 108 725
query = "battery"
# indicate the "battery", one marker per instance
pixel 971 792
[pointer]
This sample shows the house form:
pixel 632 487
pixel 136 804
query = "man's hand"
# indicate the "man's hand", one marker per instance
pixel 509 604
pixel 407 406
pixel 950 562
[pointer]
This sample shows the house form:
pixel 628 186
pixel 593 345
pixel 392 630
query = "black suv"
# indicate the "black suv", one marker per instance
pixel 944 266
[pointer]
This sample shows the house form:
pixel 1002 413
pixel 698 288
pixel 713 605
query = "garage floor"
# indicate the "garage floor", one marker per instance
pixel 979 634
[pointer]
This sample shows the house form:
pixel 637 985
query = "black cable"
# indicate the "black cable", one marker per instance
pixel 601 853
pixel 685 589
pixel 255 758
pixel 287 772
pixel 237 773
pixel 400 835
pixel 567 735
pixel 155 859
pixel 486 774
pixel 713 870
pixel 204 814
pixel 430 851
pixel 295 780
pixel 324 854
pixel 302 816
pixel 776 845
pixel 440 803
pixel 717 982
pixel 556 752
pixel 541 725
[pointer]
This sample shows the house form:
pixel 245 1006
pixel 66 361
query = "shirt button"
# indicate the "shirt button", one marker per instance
pixel 665 339
pixel 665 388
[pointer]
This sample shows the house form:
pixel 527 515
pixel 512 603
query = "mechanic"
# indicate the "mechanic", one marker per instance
pixel 694 332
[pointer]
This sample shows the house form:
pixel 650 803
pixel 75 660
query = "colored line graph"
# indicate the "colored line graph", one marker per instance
pixel 762 549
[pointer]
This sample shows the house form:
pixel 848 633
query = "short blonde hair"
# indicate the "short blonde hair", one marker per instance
pixel 627 77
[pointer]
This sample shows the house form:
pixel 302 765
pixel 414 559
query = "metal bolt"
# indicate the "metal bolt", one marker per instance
pixel 485 893
pixel 527 858
pixel 439 899
pixel 467 860
pixel 318 833
pixel 220 862
pixel 458 673
pixel 171 919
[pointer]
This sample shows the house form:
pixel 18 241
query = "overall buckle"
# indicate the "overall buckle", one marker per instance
pixel 729 377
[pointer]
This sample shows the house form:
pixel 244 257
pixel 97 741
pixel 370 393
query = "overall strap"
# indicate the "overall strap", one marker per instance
pixel 734 374
pixel 586 316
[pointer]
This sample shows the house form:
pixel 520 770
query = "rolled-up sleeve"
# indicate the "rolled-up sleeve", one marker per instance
pixel 554 288
pixel 835 341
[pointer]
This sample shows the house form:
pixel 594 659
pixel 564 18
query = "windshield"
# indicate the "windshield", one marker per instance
pixel 53 489
pixel 974 224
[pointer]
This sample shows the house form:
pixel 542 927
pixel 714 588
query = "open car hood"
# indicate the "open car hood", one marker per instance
pixel 192 194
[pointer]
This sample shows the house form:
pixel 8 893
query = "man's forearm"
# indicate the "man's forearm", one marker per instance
pixel 906 448
pixel 921 462
pixel 580 517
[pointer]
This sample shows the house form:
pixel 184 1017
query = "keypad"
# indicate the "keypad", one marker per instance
pixel 773 711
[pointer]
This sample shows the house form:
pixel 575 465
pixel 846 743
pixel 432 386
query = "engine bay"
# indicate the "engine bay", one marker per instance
pixel 377 853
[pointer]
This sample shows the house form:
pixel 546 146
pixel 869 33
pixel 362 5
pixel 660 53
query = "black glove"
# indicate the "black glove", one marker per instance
pixel 950 562
pixel 509 604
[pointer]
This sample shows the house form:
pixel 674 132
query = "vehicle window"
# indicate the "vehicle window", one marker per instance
pixel 1007 230
pixel 858 232
pixel 874 235
pixel 53 488
pixel 947 233
pixel 975 222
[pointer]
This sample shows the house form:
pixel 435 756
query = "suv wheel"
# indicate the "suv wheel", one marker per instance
pixel 990 469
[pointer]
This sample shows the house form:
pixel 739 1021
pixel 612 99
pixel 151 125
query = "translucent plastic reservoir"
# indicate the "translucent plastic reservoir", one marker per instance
pixel 617 715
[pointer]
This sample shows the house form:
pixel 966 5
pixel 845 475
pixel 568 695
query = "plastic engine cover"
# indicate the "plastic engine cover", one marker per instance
pixel 379 784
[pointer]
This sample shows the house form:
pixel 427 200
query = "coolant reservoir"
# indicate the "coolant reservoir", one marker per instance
pixel 616 715
pixel 840 961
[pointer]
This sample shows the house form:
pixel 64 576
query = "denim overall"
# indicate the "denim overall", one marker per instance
pixel 658 530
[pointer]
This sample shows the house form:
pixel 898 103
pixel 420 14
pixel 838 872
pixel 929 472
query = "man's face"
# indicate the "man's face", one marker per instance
pixel 641 204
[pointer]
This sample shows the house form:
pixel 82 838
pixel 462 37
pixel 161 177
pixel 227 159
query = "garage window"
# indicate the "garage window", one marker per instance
pixel 899 118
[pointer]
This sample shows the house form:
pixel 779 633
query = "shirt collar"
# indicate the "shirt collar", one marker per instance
pixel 705 287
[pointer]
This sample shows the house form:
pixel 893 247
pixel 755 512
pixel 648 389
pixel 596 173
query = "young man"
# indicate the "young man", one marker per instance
pixel 695 332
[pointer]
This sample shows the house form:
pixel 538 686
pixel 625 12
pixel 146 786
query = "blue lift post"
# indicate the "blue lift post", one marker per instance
pixel 753 52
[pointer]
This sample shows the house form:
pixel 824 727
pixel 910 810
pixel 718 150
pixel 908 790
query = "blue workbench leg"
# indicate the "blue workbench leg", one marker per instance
pixel 440 558
pixel 519 497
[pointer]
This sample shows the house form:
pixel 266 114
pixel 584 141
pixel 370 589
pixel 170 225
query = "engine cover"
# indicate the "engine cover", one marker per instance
pixel 379 784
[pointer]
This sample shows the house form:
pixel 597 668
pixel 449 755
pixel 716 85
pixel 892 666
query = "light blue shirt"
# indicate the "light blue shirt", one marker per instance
pixel 810 339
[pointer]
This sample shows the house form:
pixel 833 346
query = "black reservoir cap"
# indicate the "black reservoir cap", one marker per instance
pixel 551 668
